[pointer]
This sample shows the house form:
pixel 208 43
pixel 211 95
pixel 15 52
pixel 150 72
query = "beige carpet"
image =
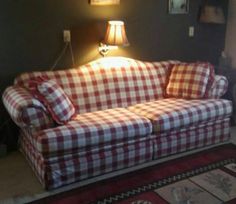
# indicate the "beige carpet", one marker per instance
pixel 16 178
pixel 18 183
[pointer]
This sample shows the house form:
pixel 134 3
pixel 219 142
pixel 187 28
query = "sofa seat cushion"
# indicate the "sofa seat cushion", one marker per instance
pixel 169 114
pixel 60 170
pixel 91 130
pixel 191 137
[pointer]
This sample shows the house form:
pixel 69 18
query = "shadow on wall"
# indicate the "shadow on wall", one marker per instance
pixel 8 130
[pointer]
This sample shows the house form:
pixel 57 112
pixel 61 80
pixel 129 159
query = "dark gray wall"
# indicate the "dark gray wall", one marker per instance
pixel 31 33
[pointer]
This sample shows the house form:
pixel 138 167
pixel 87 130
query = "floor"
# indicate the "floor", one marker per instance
pixel 16 175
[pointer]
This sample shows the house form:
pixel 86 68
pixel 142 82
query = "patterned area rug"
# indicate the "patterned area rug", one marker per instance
pixel 206 177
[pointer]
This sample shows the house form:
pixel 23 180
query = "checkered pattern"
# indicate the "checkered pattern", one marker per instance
pixel 25 110
pixel 219 87
pixel 92 130
pixel 36 119
pixel 34 158
pixel 99 139
pixel 57 171
pixel 192 137
pixel 54 98
pixel 108 83
pixel 189 80
pixel 62 171
pixel 168 114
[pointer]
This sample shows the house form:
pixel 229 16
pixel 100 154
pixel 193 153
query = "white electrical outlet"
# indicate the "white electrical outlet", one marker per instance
pixel 66 36
pixel 191 31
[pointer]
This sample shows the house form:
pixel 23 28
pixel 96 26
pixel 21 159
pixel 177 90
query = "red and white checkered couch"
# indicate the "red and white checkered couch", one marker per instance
pixel 123 119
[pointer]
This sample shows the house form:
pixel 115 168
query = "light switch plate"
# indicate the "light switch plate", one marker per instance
pixel 191 31
pixel 66 36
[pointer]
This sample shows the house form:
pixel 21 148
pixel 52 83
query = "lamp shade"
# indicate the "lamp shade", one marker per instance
pixel 212 14
pixel 115 34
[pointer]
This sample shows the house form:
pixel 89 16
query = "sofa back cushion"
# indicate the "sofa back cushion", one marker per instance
pixel 108 83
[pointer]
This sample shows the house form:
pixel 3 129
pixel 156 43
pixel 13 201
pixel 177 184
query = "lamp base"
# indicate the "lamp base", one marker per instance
pixel 104 49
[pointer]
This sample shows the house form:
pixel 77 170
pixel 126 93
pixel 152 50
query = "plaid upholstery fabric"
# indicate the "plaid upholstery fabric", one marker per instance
pixel 34 158
pixel 189 80
pixel 192 137
pixel 61 171
pixel 168 114
pixel 54 98
pixel 219 87
pixel 56 171
pixel 103 141
pixel 99 128
pixel 108 83
pixel 35 119
pixel 25 110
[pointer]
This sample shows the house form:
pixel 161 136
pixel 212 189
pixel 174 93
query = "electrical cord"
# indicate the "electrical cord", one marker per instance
pixel 72 55
pixel 60 56
pixel 67 44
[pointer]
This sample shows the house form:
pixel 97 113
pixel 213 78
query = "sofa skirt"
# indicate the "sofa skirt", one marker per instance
pixel 193 137
pixel 54 172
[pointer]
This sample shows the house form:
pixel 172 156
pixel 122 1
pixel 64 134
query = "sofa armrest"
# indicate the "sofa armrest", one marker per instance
pixel 218 88
pixel 25 110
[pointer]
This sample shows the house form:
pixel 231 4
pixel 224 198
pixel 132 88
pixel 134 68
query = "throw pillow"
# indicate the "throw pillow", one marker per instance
pixel 190 80
pixel 54 98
